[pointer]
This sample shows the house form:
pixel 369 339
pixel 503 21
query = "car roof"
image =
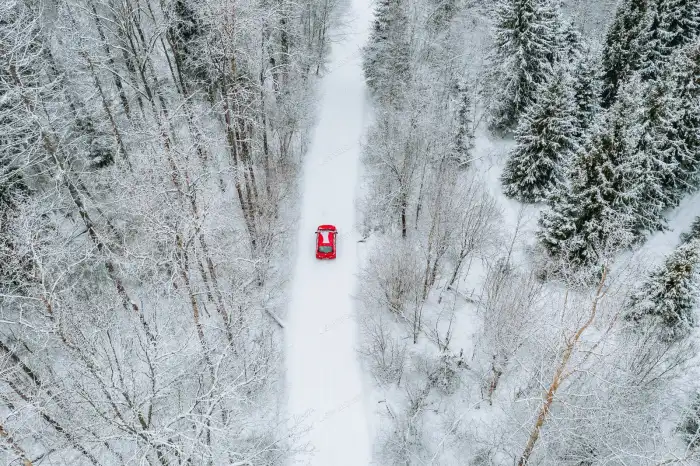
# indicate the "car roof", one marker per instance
pixel 325 236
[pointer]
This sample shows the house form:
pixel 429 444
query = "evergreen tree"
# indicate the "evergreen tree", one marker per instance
pixel 684 72
pixel 14 269
pixel 586 87
pixel 689 428
pixel 464 137
pixel 650 168
pixel 622 47
pixel 593 217
pixel 652 50
pixel 681 23
pixel 546 139
pixel 670 293
pixel 187 27
pixel 185 32
pixel 693 232
pixel 672 25
pixel 387 55
pixel 571 45
pixel 99 147
pixel 526 47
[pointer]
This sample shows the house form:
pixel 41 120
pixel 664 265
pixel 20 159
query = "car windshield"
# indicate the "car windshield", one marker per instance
pixel 325 249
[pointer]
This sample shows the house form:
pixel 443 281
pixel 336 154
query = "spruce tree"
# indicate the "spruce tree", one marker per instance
pixel 652 50
pixel 571 45
pixel 622 47
pixel 681 23
pixel 664 137
pixel 670 293
pixel 650 170
pixel 546 139
pixel 526 47
pixel 464 137
pixel 673 24
pixel 586 88
pixel 684 72
pixel 14 269
pixel 693 232
pixel 186 32
pixel 689 428
pixel 386 56
pixel 593 217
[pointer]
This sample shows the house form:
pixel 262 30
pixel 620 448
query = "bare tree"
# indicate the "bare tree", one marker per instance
pixel 137 282
pixel 386 354
pixel 476 222
pixel 562 371
pixel 510 305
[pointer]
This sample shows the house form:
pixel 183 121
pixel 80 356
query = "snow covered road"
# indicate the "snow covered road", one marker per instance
pixel 324 381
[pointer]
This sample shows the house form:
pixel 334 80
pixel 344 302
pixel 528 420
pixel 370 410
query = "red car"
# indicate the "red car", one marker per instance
pixel 326 239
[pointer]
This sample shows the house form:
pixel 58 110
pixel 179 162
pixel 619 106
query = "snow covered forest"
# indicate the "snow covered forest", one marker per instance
pixel 529 287
pixel 528 250
pixel 149 153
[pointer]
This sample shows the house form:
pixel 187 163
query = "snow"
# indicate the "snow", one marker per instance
pixel 679 220
pixel 324 380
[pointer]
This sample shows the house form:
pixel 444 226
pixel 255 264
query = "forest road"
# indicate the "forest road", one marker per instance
pixel 324 380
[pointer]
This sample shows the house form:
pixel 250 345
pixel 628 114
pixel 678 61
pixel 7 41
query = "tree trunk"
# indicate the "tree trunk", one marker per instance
pixel 14 446
pixel 284 55
pixel 123 36
pixel 183 261
pixel 110 61
pixel 560 375
pixel 428 254
pixel 51 149
pixel 458 266
pixel 248 174
pixel 53 423
pixel 233 151
pixel 419 202
pixel 265 145
pixel 496 373
pixel 404 206
pixel 108 111
pixel 219 302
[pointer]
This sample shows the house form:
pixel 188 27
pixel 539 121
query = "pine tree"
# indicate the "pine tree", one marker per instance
pixel 622 48
pixel 386 56
pixel 693 232
pixel 670 293
pixel 593 216
pixel 464 137
pixel 526 47
pixel 546 139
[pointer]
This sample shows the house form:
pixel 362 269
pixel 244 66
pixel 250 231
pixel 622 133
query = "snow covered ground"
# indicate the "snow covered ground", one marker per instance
pixel 324 381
